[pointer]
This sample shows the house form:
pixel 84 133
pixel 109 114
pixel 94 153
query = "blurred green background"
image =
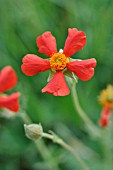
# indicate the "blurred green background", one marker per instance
pixel 20 23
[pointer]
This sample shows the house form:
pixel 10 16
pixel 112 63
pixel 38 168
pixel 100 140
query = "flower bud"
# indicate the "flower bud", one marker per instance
pixel 33 131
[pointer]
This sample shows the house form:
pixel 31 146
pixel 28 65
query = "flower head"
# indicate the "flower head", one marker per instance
pixel 8 80
pixel 59 62
pixel 106 100
pixel 106 97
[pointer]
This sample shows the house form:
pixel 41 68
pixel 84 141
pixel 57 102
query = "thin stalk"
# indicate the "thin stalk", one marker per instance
pixel 59 141
pixel 91 126
pixel 41 147
pixel 50 162
pixel 25 118
pixel 107 152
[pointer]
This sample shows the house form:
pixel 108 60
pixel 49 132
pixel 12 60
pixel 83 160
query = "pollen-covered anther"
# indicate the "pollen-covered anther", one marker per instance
pixel 58 61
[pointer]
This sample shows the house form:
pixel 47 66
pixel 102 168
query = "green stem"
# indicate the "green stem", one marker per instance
pixel 41 147
pixel 50 162
pixel 59 141
pixel 91 126
pixel 107 152
pixel 25 118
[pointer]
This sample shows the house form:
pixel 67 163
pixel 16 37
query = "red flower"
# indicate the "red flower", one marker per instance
pixel 8 80
pixel 105 115
pixel 103 122
pixel 59 62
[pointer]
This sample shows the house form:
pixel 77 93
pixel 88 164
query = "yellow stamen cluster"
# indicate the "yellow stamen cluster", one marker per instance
pixel 58 61
pixel 106 97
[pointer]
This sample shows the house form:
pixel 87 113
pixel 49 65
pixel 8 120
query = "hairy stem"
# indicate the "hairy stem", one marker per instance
pixel 92 129
pixel 59 141
pixel 41 147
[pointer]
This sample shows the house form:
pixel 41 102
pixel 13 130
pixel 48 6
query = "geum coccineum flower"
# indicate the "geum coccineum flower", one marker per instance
pixel 106 100
pixel 59 63
pixel 8 80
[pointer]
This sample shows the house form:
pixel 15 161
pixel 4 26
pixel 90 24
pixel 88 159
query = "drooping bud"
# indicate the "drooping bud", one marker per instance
pixel 33 131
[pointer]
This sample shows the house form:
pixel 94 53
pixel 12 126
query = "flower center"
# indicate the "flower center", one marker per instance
pixel 106 97
pixel 58 61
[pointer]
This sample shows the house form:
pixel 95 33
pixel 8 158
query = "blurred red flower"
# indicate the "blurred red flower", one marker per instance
pixel 105 116
pixel 106 100
pixel 8 80
pixel 59 62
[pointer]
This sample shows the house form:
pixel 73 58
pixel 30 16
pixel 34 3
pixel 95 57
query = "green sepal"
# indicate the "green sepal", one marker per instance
pixel 51 74
pixel 70 75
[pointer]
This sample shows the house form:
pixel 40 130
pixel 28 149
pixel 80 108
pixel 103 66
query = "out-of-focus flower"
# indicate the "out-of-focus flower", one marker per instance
pixel 8 80
pixel 106 100
pixel 105 115
pixel 59 63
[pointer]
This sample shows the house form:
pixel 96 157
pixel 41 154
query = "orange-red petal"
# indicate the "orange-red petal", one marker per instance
pixel 32 64
pixel 8 78
pixel 105 115
pixel 84 69
pixel 74 42
pixel 57 85
pixel 10 102
pixel 103 122
pixel 46 44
